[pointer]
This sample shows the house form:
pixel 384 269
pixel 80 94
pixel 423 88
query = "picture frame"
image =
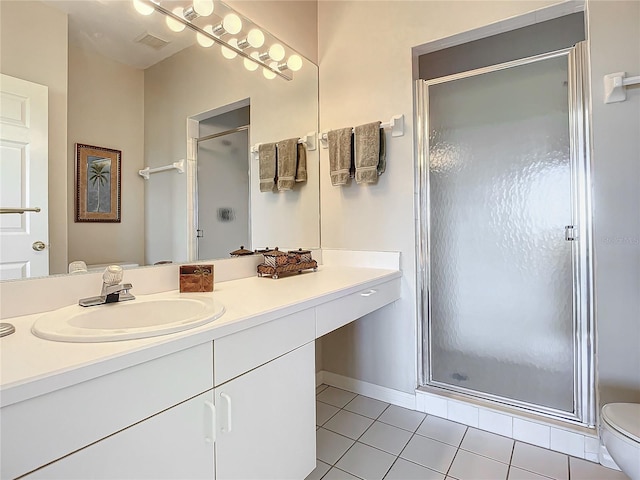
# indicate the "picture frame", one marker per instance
pixel 98 188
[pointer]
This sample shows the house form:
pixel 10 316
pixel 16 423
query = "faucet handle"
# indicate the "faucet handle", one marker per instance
pixel 112 275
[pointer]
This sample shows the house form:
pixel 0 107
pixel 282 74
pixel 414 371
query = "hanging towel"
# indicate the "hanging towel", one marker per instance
pixel 340 155
pixel 287 163
pixel 267 165
pixel 382 163
pixel 301 170
pixel 367 150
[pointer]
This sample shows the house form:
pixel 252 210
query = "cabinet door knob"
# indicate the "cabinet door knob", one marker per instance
pixel 227 399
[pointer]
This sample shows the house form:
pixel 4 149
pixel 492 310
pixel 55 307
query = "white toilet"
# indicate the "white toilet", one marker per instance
pixel 620 432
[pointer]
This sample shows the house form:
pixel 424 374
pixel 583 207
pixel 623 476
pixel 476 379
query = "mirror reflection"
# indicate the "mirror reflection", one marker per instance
pixel 112 86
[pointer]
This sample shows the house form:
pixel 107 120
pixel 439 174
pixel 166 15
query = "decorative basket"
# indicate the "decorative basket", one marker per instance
pixel 303 255
pixel 279 263
pixel 241 252
pixel 275 258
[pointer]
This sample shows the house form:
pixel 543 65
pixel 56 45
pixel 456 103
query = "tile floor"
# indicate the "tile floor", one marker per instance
pixel 362 438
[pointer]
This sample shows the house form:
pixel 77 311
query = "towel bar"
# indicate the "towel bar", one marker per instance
pixel 614 84
pixel 396 125
pixel 19 210
pixel 145 172
pixel 309 140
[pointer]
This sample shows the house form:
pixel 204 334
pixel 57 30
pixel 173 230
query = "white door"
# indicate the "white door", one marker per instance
pixel 266 420
pixel 24 160
pixel 175 444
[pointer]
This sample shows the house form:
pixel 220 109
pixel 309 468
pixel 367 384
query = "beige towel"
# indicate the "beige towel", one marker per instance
pixel 301 170
pixel 367 152
pixel 340 146
pixel 287 163
pixel 267 165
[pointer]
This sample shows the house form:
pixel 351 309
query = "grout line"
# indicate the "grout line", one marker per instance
pixel 362 415
pixel 513 448
pixel 392 465
pixel 348 473
pixel 457 451
pixel 451 464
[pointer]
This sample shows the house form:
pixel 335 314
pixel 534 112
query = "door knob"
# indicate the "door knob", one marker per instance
pixel 38 246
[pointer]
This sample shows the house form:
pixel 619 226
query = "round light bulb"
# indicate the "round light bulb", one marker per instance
pixel 227 52
pixel 294 63
pixel 255 38
pixel 232 23
pixel 268 74
pixel 276 52
pixel 249 65
pixel 203 8
pixel 203 40
pixel 173 24
pixel 143 8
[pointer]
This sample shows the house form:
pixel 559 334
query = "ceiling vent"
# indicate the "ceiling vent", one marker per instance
pixel 151 41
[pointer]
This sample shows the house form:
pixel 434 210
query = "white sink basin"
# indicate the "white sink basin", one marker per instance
pixel 146 316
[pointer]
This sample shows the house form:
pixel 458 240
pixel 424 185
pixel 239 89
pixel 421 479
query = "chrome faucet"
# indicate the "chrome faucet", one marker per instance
pixel 112 290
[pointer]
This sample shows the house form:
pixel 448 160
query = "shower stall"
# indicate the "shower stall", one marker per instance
pixel 505 235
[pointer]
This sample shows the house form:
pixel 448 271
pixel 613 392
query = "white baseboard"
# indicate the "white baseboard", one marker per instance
pixel 384 394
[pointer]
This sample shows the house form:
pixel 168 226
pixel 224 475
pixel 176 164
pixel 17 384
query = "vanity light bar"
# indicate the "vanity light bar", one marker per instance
pixel 255 59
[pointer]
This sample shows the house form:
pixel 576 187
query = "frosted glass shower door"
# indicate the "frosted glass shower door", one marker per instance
pixel 500 269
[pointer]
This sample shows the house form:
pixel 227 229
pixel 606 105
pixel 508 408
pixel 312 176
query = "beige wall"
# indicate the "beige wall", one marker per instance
pixel 33 47
pixel 366 75
pixel 106 109
pixel 371 80
pixel 614 31
pixel 293 22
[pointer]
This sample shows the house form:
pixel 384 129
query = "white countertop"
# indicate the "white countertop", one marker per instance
pixel 31 366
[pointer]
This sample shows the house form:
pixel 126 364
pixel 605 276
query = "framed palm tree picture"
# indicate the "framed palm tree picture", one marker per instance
pixel 97 184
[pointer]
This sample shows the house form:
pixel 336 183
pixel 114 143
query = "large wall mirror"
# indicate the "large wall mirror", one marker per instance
pixel 124 81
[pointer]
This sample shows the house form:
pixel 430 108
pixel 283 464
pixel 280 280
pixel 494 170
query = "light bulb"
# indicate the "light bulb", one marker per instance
pixel 294 63
pixel 143 8
pixel 203 7
pixel 268 74
pixel 203 40
pixel 232 23
pixel 255 38
pixel 173 24
pixel 276 52
pixel 227 52
pixel 249 65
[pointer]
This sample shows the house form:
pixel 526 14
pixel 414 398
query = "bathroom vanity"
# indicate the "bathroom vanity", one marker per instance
pixel 231 399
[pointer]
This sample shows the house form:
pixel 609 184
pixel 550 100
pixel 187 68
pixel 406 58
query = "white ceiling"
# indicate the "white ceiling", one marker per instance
pixel 110 28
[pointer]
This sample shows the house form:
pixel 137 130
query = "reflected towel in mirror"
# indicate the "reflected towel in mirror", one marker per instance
pixel 267 166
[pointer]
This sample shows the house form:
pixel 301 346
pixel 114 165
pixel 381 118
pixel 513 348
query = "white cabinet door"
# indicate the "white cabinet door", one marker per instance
pixel 266 420
pixel 174 444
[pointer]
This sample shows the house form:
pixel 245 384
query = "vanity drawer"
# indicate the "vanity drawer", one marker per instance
pixel 243 351
pixel 337 313
pixel 42 429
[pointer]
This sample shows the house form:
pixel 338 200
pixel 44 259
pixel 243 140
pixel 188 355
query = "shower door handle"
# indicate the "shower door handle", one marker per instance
pixel 570 233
